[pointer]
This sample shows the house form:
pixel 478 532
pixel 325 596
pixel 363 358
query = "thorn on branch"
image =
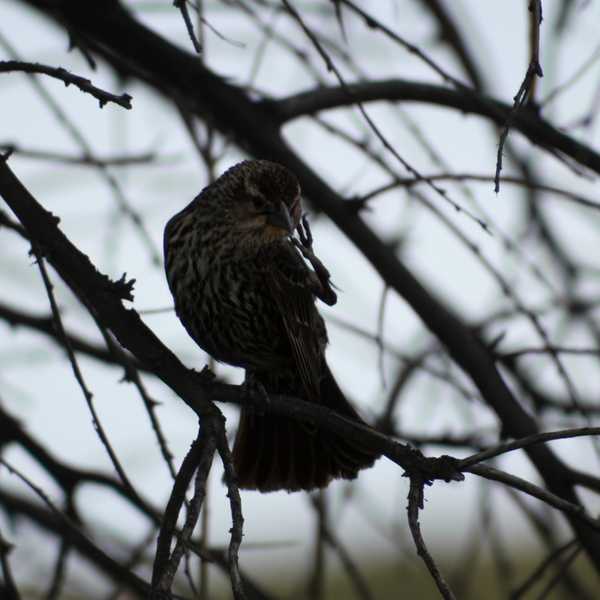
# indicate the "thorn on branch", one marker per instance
pixel 206 376
pixel 493 345
pixel 357 204
pixel 123 287
pixel 4 156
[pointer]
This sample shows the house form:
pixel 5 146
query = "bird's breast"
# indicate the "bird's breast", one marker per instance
pixel 226 307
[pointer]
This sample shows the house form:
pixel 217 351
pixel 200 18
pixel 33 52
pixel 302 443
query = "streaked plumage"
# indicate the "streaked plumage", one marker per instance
pixel 246 296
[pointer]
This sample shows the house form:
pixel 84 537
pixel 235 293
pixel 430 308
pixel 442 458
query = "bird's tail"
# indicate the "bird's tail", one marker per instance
pixel 276 453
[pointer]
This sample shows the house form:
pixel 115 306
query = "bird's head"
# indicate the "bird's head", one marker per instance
pixel 266 205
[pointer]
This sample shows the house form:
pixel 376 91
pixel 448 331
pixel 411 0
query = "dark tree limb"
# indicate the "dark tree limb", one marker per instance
pixel 55 520
pixel 15 317
pixel 198 460
pixel 450 33
pixel 537 130
pixel 69 479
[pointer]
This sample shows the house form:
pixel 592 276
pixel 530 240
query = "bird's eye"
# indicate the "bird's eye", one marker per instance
pixel 260 205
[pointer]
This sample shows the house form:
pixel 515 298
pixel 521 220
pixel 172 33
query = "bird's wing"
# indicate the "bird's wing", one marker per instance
pixel 289 281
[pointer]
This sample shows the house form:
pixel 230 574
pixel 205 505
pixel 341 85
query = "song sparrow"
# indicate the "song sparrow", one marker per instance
pixel 247 297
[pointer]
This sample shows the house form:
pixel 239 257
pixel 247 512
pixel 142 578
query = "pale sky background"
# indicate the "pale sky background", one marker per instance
pixel 36 381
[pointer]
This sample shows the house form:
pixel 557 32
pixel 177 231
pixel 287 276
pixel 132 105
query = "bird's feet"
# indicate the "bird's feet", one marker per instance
pixel 256 393
pixel 304 233
pixel 304 244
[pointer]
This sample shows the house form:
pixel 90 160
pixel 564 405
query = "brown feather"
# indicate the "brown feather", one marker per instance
pixel 247 297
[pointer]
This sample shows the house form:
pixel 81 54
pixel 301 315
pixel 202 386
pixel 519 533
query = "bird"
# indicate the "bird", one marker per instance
pixel 245 293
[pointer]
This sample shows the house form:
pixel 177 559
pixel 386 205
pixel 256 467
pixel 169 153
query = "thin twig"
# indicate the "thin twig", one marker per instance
pixel 549 350
pixel 78 137
pixel 85 85
pixel 522 96
pixel 78 374
pixel 67 528
pixel 356 577
pixel 573 78
pixel 347 90
pixel 204 591
pixel 132 374
pixel 182 6
pixel 125 160
pixel 526 441
pixel 373 23
pixel 171 514
pixel 235 503
pixel 415 503
pixel 316 583
pixel 207 442
pixel 562 569
pixel 535 491
pixel 9 588
pixel 58 577
pixel 539 571
pixel 408 182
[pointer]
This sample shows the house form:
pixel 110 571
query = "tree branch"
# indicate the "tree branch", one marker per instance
pixel 85 85
pixel 537 130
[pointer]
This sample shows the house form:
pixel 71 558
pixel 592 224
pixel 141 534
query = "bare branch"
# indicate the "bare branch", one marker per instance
pixel 525 92
pixel 415 503
pixel 9 588
pixel 527 441
pixel 85 85
pixel 535 491
pixel 235 503
pixel 182 6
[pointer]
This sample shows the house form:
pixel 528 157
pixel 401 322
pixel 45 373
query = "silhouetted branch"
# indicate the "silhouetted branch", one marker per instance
pixel 85 85
pixel 198 460
pixel 538 572
pixel 531 125
pixel 58 522
pixel 526 441
pixel 125 160
pixel 518 483
pixel 415 503
pixel 527 88
pixel 185 13
pixel 8 587
pixel 78 374
pixel 235 504
pixel 44 324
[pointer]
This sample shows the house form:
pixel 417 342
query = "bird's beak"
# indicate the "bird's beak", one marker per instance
pixel 280 218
